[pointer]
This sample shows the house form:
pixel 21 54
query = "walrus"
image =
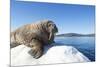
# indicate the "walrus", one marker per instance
pixel 34 35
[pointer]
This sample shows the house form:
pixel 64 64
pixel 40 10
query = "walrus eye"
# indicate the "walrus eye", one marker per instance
pixel 49 25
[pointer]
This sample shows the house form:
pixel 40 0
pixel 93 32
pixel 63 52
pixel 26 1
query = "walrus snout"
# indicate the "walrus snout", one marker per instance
pixel 56 29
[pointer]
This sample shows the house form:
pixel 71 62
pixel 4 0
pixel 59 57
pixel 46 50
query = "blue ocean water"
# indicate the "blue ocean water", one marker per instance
pixel 86 45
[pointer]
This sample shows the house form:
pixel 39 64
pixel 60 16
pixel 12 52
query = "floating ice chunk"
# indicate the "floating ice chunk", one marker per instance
pixel 52 55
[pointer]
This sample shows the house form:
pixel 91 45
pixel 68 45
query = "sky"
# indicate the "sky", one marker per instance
pixel 69 18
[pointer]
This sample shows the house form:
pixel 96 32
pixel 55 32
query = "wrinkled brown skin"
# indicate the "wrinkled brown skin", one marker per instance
pixel 34 36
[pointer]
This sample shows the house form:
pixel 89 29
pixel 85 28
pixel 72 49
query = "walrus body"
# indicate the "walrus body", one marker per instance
pixel 35 36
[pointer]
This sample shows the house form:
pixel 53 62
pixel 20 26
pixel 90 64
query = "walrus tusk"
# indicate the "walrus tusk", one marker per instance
pixel 50 36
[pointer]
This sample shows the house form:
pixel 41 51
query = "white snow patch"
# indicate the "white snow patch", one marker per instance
pixel 52 54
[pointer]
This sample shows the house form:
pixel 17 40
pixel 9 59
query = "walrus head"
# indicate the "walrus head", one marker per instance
pixel 50 28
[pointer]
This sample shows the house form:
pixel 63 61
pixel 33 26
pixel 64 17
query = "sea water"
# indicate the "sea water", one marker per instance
pixel 85 45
